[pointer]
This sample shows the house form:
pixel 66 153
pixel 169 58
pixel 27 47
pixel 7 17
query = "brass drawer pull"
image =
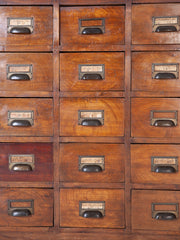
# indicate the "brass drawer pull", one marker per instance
pixel 20 213
pixel 166 29
pixel 92 31
pixel 165 24
pixel 20 30
pixel 165 76
pixel 22 168
pixel 165 216
pixel 92 77
pixel 165 169
pixel 21 123
pixel 91 168
pixel 22 76
pixel 164 123
pixel 92 118
pixel 163 118
pixel 91 122
pixel 92 214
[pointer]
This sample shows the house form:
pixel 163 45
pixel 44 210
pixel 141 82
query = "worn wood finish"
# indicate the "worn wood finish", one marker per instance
pixel 92 2
pixel 113 162
pixel 113 117
pixel 142 213
pixel 142 31
pixel 42 116
pixel 41 36
pixel 42 75
pixel 43 170
pixel 70 79
pixel 114 208
pixel 141 117
pixel 114 25
pixel 43 207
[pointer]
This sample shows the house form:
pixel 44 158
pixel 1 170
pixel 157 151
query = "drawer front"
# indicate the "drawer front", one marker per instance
pixel 155 117
pixel 26 207
pixel 26 117
pixel 156 71
pixel 26 26
pixel 82 162
pixel 92 25
pixel 26 162
pixel 91 117
pixel 92 208
pixel 26 71
pixel 150 210
pixel 152 163
pixel 91 71
pixel 155 24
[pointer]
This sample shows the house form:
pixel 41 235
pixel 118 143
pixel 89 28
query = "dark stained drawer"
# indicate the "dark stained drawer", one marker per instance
pixel 26 162
pixel 26 207
pixel 155 210
pixel 82 162
pixel 155 163
pixel 91 71
pixel 91 117
pixel 26 71
pixel 92 25
pixel 92 208
pixel 26 28
pixel 26 117
pixel 155 117
pixel 155 71
pixel 155 24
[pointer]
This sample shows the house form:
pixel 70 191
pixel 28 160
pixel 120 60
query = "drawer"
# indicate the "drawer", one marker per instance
pixel 155 117
pixel 92 208
pixel 26 207
pixel 155 24
pixel 91 71
pixel 155 71
pixel 155 210
pixel 91 117
pixel 26 162
pixel 83 162
pixel 26 71
pixel 26 117
pixel 152 163
pixel 92 25
pixel 27 26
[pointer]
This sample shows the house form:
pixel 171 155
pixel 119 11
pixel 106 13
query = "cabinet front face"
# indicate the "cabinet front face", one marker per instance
pixel 155 210
pixel 92 25
pixel 155 71
pixel 155 117
pixel 26 117
pixel 92 117
pixel 92 163
pixel 92 208
pixel 91 71
pixel 155 24
pixel 26 27
pixel 26 207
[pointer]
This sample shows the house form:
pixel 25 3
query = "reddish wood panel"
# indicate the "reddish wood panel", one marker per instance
pixel 92 2
pixel 43 207
pixel 42 75
pixel 142 24
pixel 113 116
pixel 113 154
pixel 141 117
pixel 142 71
pixel 43 162
pixel 141 163
pixel 41 35
pixel 142 210
pixel 42 116
pixel 114 208
pixel 70 19
pixel 71 78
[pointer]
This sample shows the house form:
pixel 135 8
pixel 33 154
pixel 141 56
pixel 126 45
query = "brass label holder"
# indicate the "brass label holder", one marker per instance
pixel 20 22
pixel 91 160
pixel 172 21
pixel 157 161
pixel 156 208
pixel 91 206
pixel 21 159
pixel 154 119
pixel 90 114
pixel 19 69
pixel 98 69
pixel 91 23
pixel 20 115
pixel 28 205
pixel 171 68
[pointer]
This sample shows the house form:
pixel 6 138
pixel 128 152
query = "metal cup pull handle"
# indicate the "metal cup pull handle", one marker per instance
pixel 165 169
pixel 21 213
pixel 21 123
pixel 91 122
pixel 165 75
pixel 20 30
pixel 92 31
pixel 92 214
pixel 165 216
pixel 19 76
pixel 91 168
pixel 166 29
pixel 164 123
pixel 92 76
pixel 22 168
